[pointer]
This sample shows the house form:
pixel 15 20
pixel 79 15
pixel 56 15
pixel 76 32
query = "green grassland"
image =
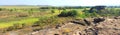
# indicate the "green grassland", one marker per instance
pixel 29 20
pixel 8 24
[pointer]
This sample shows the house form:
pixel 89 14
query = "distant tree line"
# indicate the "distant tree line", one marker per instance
pixel 104 11
pixel 66 7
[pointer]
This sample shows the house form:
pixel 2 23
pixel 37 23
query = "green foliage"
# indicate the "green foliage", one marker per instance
pixel 107 12
pixel 63 13
pixel 94 13
pixel 113 12
pixel 16 26
pixel 45 21
pixel 0 9
pixel 52 11
pixel 30 12
pixel 72 13
pixel 24 25
pixel 68 13
pixel 10 28
pixel 45 7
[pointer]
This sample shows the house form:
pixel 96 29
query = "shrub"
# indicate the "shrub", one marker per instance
pixel 52 11
pixel 45 21
pixel 63 14
pixel 24 25
pixel 17 26
pixel 10 28
pixel 0 9
pixel 68 13
pixel 30 12
pixel 72 13
pixel 37 23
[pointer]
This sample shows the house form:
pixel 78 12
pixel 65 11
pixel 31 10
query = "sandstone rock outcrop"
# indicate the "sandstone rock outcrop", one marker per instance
pixel 105 26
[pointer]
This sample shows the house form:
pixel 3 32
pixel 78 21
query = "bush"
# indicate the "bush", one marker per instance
pixel 0 9
pixel 63 14
pixel 52 11
pixel 45 21
pixel 24 25
pixel 10 28
pixel 68 13
pixel 72 13
pixel 37 23
pixel 17 26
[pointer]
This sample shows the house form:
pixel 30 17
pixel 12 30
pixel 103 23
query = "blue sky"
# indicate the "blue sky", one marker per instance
pixel 60 2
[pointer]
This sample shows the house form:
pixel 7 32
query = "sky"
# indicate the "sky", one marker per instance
pixel 61 2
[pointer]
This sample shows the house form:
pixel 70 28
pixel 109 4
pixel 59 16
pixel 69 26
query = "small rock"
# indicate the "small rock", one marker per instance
pixel 118 17
pixel 56 34
pixel 78 22
pixel 87 22
pixel 97 20
pixel 57 26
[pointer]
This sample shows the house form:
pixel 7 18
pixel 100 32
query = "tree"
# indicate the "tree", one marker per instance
pixel 98 8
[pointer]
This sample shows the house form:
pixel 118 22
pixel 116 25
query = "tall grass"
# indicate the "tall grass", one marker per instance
pixel 28 21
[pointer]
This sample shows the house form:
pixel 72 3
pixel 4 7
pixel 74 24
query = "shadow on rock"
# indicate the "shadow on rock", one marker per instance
pixel 97 20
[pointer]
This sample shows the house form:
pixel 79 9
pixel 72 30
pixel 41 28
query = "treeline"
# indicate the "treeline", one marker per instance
pixel 113 6
pixel 104 11
pixel 66 7
pixel 96 11
pixel 43 8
